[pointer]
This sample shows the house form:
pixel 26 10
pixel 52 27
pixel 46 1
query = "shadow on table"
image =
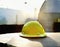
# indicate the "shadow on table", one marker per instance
pixel 46 42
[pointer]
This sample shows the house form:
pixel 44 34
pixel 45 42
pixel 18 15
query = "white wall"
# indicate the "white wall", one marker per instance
pixel 7 16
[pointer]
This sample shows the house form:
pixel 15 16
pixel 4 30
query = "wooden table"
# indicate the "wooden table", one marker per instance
pixel 52 40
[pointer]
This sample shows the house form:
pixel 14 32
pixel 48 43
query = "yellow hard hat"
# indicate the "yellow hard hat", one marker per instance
pixel 33 29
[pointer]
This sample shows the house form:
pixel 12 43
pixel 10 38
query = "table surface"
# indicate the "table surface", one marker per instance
pixel 52 40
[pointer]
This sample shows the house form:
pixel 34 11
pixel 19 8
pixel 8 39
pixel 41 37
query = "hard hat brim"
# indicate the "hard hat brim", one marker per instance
pixel 41 35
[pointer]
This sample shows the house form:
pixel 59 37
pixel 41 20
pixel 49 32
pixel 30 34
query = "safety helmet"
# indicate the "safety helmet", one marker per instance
pixel 33 29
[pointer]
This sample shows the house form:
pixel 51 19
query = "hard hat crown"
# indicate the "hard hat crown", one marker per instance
pixel 33 28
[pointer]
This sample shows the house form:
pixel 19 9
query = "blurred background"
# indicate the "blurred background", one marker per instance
pixel 15 13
